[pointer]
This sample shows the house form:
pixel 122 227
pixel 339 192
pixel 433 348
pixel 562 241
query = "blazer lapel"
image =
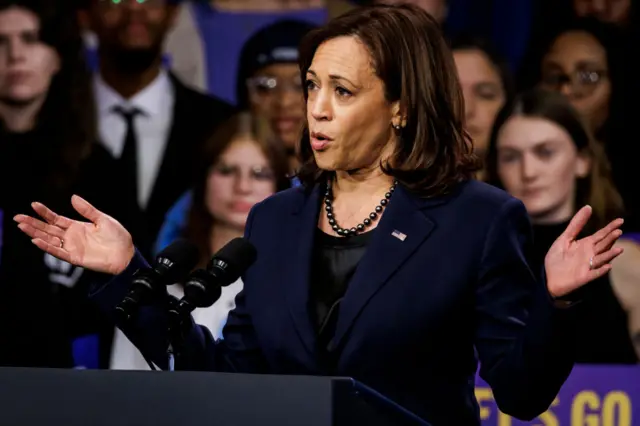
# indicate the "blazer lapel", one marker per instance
pixel 175 160
pixel 402 229
pixel 297 254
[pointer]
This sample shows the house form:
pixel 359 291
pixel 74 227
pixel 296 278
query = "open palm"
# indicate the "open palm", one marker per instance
pixel 571 263
pixel 101 245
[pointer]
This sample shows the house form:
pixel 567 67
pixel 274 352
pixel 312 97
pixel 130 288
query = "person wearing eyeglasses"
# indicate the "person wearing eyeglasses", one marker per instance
pixel 577 65
pixel 269 79
pixel 585 62
pixel 269 85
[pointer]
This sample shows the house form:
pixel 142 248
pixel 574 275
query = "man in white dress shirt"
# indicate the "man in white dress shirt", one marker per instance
pixel 148 119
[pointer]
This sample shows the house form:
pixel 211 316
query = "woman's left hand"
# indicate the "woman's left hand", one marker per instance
pixel 571 263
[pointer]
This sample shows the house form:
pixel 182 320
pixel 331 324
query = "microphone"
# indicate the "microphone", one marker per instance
pixel 203 287
pixel 172 264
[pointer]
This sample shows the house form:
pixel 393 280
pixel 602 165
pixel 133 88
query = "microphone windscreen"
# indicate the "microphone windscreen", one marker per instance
pixel 239 254
pixel 176 261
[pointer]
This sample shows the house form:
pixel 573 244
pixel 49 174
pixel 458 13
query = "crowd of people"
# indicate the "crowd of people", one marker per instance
pixel 176 118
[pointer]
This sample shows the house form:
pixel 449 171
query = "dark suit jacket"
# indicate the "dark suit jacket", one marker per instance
pixel 195 117
pixel 414 316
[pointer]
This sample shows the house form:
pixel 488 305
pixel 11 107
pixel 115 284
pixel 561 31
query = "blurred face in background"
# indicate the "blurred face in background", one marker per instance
pixel 484 94
pixel 539 164
pixel 130 25
pixel 276 93
pixel 241 178
pixel 611 11
pixel 576 66
pixel 27 65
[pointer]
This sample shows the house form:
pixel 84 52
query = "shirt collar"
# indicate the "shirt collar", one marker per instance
pixel 149 100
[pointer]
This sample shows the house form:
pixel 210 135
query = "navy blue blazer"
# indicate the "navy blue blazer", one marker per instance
pixel 415 314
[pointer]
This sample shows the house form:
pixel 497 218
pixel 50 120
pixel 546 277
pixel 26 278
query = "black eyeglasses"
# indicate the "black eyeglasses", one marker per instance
pixel 582 82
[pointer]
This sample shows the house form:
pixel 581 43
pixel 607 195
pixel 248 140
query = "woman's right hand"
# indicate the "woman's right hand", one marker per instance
pixel 101 245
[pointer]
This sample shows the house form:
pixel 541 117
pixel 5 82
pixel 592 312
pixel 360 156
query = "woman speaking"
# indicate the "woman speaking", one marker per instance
pixel 390 264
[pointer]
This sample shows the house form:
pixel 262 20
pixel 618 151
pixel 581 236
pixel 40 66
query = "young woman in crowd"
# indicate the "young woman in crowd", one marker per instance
pixel 241 167
pixel 46 118
pixel 487 84
pixel 541 153
pixel 268 85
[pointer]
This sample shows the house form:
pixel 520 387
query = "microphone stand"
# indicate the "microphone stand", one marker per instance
pixel 126 314
pixel 179 312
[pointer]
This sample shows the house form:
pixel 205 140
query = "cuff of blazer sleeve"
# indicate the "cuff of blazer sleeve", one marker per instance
pixel 564 302
pixel 109 292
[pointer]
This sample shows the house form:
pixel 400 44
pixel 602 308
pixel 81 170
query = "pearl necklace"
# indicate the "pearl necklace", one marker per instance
pixel 362 226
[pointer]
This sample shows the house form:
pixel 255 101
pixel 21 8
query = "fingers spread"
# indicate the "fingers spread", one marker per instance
pixel 50 216
pixel 604 232
pixel 30 225
pixel 83 207
pixel 597 273
pixel 578 222
pixel 34 233
pixel 606 257
pixel 52 250
pixel 607 242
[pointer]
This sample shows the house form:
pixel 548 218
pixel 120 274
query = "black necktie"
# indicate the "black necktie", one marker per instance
pixel 129 157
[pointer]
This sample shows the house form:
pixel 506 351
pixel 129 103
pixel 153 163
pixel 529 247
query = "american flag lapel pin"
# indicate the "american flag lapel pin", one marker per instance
pixel 399 235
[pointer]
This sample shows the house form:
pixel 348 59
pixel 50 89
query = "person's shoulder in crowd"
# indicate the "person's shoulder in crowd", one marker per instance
pixel 202 102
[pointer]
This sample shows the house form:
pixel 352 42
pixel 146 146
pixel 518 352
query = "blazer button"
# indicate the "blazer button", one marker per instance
pixel 331 346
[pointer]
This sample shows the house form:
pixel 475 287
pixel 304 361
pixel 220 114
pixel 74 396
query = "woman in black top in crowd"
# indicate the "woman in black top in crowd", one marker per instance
pixel 46 116
pixel 543 154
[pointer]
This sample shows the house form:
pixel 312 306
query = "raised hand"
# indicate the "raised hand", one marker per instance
pixel 572 263
pixel 101 245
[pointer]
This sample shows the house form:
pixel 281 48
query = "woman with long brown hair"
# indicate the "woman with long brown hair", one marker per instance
pixel 47 152
pixel 241 166
pixel 542 152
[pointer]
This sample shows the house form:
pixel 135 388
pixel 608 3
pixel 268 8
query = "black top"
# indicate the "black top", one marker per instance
pixel 43 303
pixel 335 260
pixel 602 334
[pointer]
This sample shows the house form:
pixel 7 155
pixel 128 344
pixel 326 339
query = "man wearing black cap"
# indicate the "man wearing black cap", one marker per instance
pixel 268 84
